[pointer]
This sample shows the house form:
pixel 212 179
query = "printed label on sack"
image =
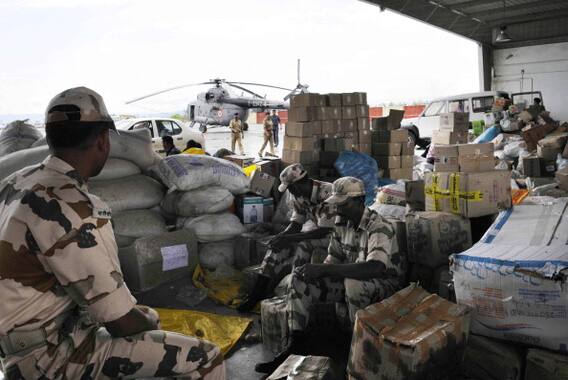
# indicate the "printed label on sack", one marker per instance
pixel 174 257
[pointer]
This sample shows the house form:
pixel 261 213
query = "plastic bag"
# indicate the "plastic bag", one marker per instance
pixel 362 166
pixel 117 168
pixel 393 211
pixel 561 162
pixel 207 200
pixel 513 149
pixel 393 194
pixel 186 172
pixel 215 227
pixel 18 135
pixel 489 134
pixel 130 193
pixel 216 255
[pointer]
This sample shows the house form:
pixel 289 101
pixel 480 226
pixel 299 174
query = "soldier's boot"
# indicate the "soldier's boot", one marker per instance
pixel 297 346
pixel 259 291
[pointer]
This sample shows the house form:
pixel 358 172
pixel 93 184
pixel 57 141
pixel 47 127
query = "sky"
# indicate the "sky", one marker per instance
pixel 124 49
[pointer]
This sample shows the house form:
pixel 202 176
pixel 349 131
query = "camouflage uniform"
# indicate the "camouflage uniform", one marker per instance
pixel 279 262
pixel 236 128
pixel 373 239
pixel 267 123
pixel 58 261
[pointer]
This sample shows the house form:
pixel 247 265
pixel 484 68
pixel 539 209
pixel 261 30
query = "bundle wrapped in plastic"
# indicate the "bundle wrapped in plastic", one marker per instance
pixel 207 200
pixel 130 193
pixel 214 227
pixel 18 135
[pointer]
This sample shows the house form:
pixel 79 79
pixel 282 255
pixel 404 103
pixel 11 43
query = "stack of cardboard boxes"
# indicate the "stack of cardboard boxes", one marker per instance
pixel 391 147
pixel 454 129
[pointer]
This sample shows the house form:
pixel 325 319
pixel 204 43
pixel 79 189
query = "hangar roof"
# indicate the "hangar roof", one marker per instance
pixel 528 22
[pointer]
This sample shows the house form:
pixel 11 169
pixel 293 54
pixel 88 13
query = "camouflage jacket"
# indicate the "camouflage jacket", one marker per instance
pixel 314 209
pixel 57 250
pixel 373 239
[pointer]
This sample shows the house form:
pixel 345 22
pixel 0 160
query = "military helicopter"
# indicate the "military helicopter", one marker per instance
pixel 218 105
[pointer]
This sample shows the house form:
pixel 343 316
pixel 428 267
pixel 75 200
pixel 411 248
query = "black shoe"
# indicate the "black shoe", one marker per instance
pixel 259 291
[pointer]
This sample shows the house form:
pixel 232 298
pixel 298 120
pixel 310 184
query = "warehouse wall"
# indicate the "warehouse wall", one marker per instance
pixel 546 69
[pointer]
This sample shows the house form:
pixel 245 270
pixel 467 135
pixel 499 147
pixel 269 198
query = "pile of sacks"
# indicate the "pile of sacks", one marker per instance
pixel 201 194
pixel 18 135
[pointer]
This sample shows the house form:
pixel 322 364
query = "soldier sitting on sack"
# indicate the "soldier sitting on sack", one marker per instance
pixel 66 311
pixel 292 247
pixel 363 266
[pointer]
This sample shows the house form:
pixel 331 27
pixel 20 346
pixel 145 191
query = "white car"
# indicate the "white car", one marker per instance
pixel 160 127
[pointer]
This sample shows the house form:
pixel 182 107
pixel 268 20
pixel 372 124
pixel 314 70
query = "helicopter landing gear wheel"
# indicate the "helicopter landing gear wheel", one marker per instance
pixel 202 128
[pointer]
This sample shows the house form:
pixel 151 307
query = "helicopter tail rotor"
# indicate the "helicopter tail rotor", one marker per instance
pixel 300 88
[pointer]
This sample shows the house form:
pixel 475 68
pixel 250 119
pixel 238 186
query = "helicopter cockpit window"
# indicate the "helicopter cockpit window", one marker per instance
pixel 142 125
pixel 167 128
pixel 209 96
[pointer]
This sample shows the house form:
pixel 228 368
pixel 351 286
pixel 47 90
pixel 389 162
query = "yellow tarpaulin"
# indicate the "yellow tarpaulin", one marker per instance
pixel 223 330
pixel 224 289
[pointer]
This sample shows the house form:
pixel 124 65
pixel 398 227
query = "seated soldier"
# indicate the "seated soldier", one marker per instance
pixel 364 266
pixel 293 247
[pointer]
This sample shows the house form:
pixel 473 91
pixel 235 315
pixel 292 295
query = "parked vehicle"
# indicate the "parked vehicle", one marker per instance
pixel 160 127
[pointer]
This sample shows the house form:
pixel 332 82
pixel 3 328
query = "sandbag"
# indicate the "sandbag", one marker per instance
pixel 135 146
pixel 117 168
pixel 13 162
pixel 393 194
pixel 130 193
pixel 16 136
pixel 186 172
pixel 39 142
pixel 207 200
pixel 138 223
pixel 217 255
pixel 215 227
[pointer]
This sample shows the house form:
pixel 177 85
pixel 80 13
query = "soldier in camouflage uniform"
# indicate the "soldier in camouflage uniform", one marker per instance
pixel 292 247
pixel 363 265
pixel 66 311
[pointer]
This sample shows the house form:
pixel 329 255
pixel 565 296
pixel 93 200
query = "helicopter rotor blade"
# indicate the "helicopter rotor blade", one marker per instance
pixel 299 71
pixel 167 90
pixel 244 89
pixel 261 85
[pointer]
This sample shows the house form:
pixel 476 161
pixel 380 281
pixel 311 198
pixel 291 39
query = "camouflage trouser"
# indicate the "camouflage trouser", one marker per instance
pixel 100 356
pixel 278 263
pixel 355 293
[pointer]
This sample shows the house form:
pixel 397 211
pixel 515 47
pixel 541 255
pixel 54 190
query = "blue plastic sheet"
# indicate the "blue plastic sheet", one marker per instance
pixel 488 135
pixel 364 167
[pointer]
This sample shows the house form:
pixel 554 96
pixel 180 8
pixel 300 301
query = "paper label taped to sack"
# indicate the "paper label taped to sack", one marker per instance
pixel 174 257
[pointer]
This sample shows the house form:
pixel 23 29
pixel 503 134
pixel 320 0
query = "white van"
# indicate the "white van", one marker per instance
pixel 477 104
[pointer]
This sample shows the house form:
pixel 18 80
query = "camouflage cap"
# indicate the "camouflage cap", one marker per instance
pixel 78 104
pixel 291 174
pixel 345 188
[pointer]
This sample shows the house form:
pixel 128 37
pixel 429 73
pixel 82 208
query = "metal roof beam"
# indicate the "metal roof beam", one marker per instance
pixel 473 3
pixel 529 18
pixel 499 11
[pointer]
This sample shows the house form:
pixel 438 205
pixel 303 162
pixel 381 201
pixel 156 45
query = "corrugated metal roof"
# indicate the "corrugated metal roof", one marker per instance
pixel 527 21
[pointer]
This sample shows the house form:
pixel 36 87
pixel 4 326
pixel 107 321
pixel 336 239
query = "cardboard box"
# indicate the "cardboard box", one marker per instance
pixel 330 128
pixel 363 123
pixel 332 145
pixel 363 111
pixel 511 276
pixel 299 143
pixel 407 149
pixel 363 148
pixel 329 113
pixel 387 149
pixel 475 158
pixel 491 359
pixel 250 209
pixel 548 153
pixel 348 126
pixel 468 194
pixel 389 162
pixel 534 133
pixel 270 165
pixel 414 191
pixel 554 140
pixel 308 129
pixel 349 112
pixel 396 174
pixel 303 367
pixel 241 161
pixel 354 98
pixel 388 123
pixel 307 100
pixel 433 236
pixel 538 167
pixel 407 162
pixel 334 100
pixel 152 261
pixel 302 114
pixel 562 179
pixel 449 138
pixel 446 158
pixel 454 121
pixel 327 159
pixel 303 157
pixel 261 183
pixel 350 143
pixel 545 365
pixel 394 136
pixel 411 336
pixel 267 209
pixel 364 137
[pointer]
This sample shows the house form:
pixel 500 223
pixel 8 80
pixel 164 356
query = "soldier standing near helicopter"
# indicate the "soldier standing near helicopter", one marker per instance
pixel 237 133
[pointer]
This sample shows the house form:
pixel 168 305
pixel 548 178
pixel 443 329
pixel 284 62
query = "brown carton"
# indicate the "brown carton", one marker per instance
pixel 538 167
pixel 388 123
pixel 454 121
pixel 534 133
pixel 334 100
pixel 354 98
pixel 349 112
pixel 394 136
pixel 329 113
pixel 448 138
pixel 396 174
pixel 407 149
pixel 308 129
pixel 303 157
pixel 240 160
pixel 330 128
pixel 491 359
pixel 468 194
pixel 299 143
pixel 348 125
pixel 387 149
pixel 562 179
pixel 364 137
pixel 474 158
pixel 548 153
pixel 411 335
pixel 363 148
pixel 363 110
pixel 406 162
pixel 414 191
pixel 261 183
pixel 446 158
pixel 389 162
pixel 307 100
pixel 270 165
pixel 363 123
pixel 303 114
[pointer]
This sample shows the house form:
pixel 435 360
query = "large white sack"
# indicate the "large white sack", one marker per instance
pixel 13 162
pixel 207 200
pixel 16 136
pixel 214 227
pixel 130 193
pixel 190 171
pixel 39 142
pixel 217 255
pixel 135 146
pixel 138 223
pixel 117 168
